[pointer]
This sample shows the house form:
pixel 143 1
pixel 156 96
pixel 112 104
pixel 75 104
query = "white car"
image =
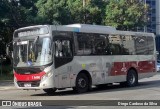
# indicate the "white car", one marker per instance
pixel 158 65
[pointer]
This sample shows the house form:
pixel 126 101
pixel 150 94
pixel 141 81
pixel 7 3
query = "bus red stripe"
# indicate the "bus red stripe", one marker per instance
pixel 121 68
pixel 29 77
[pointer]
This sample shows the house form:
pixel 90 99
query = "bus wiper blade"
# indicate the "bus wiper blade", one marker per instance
pixel 35 40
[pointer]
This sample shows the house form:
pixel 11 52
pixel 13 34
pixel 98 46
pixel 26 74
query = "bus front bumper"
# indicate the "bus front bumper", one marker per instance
pixel 35 85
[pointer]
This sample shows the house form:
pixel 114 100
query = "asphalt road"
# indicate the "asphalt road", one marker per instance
pixel 148 89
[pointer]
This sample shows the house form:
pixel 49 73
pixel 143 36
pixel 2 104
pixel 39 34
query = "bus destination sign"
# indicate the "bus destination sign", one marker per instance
pixel 32 32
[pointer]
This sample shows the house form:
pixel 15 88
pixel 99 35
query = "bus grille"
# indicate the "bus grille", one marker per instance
pixel 33 83
pixel 27 70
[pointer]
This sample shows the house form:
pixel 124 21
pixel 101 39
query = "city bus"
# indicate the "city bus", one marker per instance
pixel 79 56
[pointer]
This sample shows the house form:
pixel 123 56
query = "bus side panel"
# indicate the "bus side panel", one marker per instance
pixel 63 75
pixel 116 67
pixel 91 64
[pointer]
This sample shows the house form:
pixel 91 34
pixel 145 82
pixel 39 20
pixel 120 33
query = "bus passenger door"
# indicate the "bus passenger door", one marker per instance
pixel 63 57
pixel 107 67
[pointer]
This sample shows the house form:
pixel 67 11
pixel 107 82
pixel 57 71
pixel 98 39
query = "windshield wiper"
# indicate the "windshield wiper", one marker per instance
pixel 35 40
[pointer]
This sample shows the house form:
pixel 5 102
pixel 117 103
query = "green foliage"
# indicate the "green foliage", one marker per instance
pixel 123 14
pixel 126 14
pixel 92 13
pixel 7 72
pixel 13 16
pixel 53 11
pixel 28 12
pixel 7 69
pixel 76 10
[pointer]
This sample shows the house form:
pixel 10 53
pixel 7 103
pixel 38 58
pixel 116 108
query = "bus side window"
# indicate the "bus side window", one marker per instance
pixel 63 48
pixel 141 45
pixel 58 48
pixel 66 48
pixel 150 45
pixel 128 44
pixel 101 44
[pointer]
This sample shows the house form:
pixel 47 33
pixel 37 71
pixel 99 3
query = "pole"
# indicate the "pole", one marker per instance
pixel 1 65
pixel 145 27
pixel 1 56
pixel 84 3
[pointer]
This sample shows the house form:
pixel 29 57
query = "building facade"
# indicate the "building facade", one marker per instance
pixel 151 25
pixel 154 16
pixel 158 17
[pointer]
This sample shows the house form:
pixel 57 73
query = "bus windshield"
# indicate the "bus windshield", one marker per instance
pixel 34 52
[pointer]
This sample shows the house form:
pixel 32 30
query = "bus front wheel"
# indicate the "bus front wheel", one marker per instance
pixel 50 90
pixel 132 78
pixel 82 83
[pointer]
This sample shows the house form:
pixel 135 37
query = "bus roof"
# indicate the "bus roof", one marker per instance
pixel 28 27
pixel 88 28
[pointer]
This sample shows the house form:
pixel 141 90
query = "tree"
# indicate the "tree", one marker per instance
pixel 126 14
pixel 90 12
pixel 101 4
pixel 6 24
pixel 76 11
pixel 15 14
pixel 28 12
pixel 53 12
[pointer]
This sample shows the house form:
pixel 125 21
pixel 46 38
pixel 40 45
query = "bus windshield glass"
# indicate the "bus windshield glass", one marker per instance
pixel 35 52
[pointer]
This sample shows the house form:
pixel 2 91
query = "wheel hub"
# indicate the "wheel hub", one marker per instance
pixel 82 83
pixel 132 79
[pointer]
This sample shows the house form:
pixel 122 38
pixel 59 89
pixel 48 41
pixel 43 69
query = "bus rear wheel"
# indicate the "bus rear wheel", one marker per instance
pixel 132 78
pixel 82 83
pixel 50 90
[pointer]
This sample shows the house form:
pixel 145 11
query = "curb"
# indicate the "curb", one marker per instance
pixel 6 85
pixel 6 81
pixel 7 88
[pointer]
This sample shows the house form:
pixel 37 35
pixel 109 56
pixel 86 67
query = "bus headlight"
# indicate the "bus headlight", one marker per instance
pixel 47 75
pixel 15 79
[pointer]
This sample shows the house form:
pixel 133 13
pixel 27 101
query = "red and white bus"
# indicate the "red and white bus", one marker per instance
pixel 80 56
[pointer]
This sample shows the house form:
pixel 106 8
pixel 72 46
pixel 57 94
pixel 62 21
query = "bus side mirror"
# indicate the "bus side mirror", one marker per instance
pixel 7 50
pixel 157 53
pixel 12 54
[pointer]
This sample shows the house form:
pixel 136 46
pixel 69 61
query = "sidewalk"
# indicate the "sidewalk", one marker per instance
pixel 6 84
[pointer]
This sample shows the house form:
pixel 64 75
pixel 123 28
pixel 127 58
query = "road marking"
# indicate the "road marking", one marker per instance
pixel 6 88
pixel 82 106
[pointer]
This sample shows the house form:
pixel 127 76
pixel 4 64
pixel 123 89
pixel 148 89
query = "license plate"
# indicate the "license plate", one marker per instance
pixel 27 85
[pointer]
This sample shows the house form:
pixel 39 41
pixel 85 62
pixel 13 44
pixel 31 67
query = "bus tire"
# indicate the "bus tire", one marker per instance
pixel 50 90
pixel 82 83
pixel 132 78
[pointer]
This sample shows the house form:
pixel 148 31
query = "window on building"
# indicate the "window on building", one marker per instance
pixel 153 19
pixel 153 3
pixel 153 26
pixel 153 10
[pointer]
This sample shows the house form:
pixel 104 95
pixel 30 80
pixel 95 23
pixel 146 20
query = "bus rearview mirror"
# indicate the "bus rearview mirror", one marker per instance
pixel 7 50
pixel 157 53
